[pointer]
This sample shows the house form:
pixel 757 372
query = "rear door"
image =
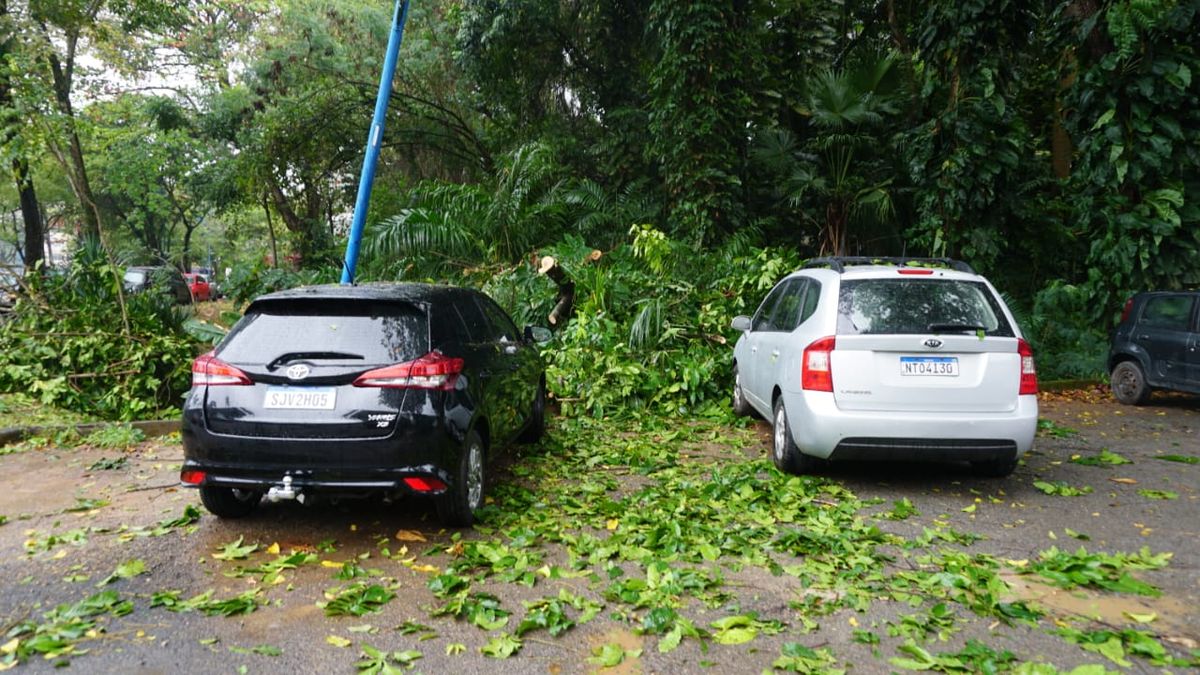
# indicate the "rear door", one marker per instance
pixel 924 344
pixel 514 368
pixel 1164 331
pixel 302 358
pixel 757 373
pixel 778 341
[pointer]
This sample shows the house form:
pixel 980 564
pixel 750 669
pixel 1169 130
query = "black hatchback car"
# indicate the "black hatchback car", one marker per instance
pixel 389 389
pixel 1156 346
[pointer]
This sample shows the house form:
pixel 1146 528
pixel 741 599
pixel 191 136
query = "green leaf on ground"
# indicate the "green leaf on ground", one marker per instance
pixel 126 570
pixel 1158 494
pixel 501 647
pixel 1061 489
pixel 1183 459
pixel 1105 458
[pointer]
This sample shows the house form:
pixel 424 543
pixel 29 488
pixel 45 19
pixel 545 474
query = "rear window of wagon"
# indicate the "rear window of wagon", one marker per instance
pixel 918 306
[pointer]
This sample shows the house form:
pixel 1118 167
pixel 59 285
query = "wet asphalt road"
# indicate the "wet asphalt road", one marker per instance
pixel 39 487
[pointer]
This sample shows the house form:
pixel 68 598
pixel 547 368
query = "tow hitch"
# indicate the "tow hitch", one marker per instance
pixel 284 491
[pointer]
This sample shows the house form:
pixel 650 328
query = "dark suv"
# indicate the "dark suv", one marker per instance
pixel 389 389
pixel 1156 346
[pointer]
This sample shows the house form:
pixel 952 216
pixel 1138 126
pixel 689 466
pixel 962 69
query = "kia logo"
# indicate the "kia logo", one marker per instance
pixel 299 371
pixel 932 343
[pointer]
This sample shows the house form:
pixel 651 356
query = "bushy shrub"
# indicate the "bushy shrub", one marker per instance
pixel 651 326
pixel 248 282
pixel 68 344
pixel 1067 341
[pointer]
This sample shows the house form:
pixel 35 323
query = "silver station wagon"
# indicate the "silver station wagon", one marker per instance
pixel 888 358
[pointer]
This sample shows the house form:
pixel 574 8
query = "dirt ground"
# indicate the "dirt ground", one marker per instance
pixel 74 515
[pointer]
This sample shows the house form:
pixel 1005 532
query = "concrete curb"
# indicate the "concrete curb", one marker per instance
pixel 151 428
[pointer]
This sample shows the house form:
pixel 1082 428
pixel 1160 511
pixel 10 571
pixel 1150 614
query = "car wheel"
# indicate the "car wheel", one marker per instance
pixel 457 507
pixel 1129 383
pixel 784 453
pixel 225 502
pixel 741 407
pixel 994 468
pixel 537 417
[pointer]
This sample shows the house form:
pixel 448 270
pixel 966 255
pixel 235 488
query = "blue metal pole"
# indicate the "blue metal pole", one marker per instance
pixel 374 141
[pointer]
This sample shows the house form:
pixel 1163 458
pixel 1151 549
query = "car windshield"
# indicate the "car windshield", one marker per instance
pixel 347 330
pixel 916 306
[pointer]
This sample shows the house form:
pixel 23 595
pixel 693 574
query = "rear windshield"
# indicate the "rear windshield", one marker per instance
pixel 361 332
pixel 916 306
pixel 135 276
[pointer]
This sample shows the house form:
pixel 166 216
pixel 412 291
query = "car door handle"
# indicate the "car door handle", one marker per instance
pixel 775 353
pixel 754 350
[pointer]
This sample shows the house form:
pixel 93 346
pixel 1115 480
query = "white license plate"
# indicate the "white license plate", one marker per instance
pixel 929 366
pixel 300 398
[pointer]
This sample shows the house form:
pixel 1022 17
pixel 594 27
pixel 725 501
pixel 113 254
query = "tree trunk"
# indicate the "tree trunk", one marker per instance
pixel 35 237
pixel 77 173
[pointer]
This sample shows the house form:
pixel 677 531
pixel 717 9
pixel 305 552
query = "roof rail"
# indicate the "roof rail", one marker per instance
pixel 840 263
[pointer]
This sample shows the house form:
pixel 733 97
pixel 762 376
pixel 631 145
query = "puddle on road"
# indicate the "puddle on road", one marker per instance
pixel 1172 615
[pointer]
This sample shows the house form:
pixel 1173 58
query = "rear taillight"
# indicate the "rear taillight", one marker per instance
pixel 1128 308
pixel 816 373
pixel 191 477
pixel 424 484
pixel 1028 372
pixel 914 270
pixel 211 371
pixel 435 370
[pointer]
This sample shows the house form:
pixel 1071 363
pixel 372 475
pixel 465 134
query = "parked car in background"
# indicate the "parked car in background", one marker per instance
pixel 1156 346
pixel 388 389
pixel 199 287
pixel 887 358
pixel 162 278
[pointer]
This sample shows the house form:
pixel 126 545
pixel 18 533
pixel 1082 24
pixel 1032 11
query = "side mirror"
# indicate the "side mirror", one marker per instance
pixel 741 323
pixel 538 334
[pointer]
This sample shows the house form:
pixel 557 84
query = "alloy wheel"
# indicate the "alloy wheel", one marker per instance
pixel 474 477
pixel 780 432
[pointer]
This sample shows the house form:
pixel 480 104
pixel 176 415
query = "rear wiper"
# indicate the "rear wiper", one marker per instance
pixel 296 356
pixel 955 327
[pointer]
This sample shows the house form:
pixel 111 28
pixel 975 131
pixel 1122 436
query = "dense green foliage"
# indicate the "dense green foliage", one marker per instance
pixel 73 343
pixel 1054 145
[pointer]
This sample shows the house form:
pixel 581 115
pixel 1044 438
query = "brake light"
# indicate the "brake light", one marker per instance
pixel 435 370
pixel 191 476
pixel 816 373
pixel 1029 383
pixel 424 484
pixel 211 371
pixel 914 270
pixel 1125 312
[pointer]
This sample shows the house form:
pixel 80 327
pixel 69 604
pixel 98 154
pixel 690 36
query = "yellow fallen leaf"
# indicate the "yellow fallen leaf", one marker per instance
pixel 969 509
pixel 273 549
pixel 338 641
pixel 10 646
pixel 62 553
pixel 1017 563
pixel 854 622
pixel 140 633
pixel 1052 535
pixel 353 527
pixel 330 563
pixel 1124 481
pixel 612 524
pixel 1142 618
pixel 428 569
pixel 409 535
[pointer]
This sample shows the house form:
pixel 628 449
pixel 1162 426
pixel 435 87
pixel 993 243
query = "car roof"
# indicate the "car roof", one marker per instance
pixel 380 291
pixel 883 272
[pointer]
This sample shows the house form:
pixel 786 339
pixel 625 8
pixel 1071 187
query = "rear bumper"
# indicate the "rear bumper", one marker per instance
pixel 419 445
pixel 820 429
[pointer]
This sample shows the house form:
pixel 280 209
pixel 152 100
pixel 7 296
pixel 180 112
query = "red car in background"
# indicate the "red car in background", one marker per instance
pixel 199 286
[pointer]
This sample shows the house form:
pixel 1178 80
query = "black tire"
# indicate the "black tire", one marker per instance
pixel 995 468
pixel 535 428
pixel 741 407
pixel 1129 384
pixel 225 502
pixel 784 453
pixel 457 507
